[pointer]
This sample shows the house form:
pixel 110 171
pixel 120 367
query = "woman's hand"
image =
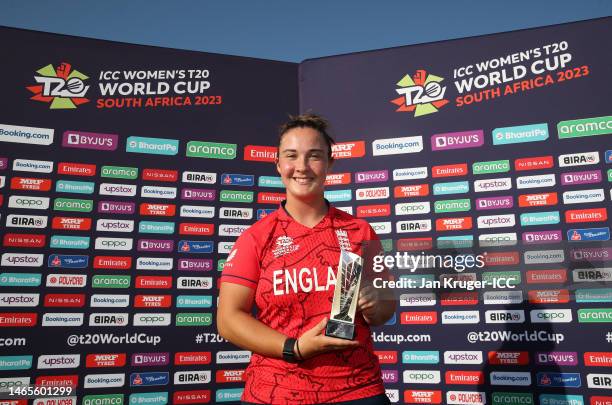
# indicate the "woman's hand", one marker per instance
pixel 314 342
pixel 367 302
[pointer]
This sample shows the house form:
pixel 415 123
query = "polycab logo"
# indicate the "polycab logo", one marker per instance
pixel 348 150
pixel 62 86
pixel 105 360
pixel 372 193
pixel 420 93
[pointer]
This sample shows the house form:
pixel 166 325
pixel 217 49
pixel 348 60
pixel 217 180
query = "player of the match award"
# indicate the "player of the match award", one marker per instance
pixel 341 323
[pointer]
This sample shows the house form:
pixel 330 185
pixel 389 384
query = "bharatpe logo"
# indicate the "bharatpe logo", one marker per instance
pixel 421 94
pixel 62 87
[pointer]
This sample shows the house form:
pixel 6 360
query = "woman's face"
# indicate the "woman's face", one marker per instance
pixel 303 163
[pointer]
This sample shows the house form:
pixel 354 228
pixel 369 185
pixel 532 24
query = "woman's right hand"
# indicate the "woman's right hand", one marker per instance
pixel 314 342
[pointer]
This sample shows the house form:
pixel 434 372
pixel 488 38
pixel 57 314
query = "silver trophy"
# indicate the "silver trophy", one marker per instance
pixel 342 319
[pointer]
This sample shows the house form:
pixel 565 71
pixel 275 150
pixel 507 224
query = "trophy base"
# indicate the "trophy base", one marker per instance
pixel 341 330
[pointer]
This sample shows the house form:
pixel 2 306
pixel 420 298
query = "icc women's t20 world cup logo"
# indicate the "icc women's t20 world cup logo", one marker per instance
pixel 420 93
pixel 63 87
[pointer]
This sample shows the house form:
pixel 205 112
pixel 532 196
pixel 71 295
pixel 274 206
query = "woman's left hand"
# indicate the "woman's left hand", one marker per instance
pixel 367 302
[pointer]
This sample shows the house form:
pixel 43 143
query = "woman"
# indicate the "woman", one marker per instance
pixel 286 265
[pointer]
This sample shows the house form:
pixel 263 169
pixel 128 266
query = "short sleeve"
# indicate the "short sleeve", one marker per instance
pixel 242 264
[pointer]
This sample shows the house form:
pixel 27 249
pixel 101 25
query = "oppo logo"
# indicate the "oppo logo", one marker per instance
pixel 381 227
pixel 553 316
pixel 421 377
pixel 113 244
pixel 34 203
pixel 152 319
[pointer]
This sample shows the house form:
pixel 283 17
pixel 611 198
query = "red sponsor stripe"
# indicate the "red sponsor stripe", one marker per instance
pixel 419 318
pixel 588 215
pixel 548 296
pixel 601 400
pixel 18 319
pixel 508 358
pixel 58 380
pixel 459 298
pixel 152 301
pixel 192 228
pixel 270 198
pixel 259 153
pixel 460 169
pixel 453 224
pixel 153 282
pixel 29 183
pixel 414 190
pixel 598 359
pixel 229 376
pixel 160 175
pixel 538 200
pixel 464 377
pixel 534 163
pixel 386 356
pixel 65 300
pixel 112 262
pixel 105 360
pixel 192 358
pixel 348 150
pixel 191 397
pixel 71 223
pixel 336 179
pixel 502 258
pixel 379 210
pixel 160 210
pixel 411 244
pixel 422 397
pixel 546 276
pixel 76 169
pixel 24 240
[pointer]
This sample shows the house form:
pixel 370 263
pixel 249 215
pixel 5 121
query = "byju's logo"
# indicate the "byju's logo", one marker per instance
pixel 422 94
pixel 63 86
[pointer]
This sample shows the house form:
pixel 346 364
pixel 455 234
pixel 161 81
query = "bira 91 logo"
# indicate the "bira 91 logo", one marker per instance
pixel 63 87
pixel 422 94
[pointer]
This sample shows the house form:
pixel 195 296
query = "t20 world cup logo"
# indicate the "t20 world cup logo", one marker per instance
pixel 420 93
pixel 63 87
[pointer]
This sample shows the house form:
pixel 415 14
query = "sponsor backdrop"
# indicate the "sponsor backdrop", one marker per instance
pixel 476 142
pixel 126 173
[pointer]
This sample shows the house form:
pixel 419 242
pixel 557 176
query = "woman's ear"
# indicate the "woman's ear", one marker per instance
pixel 277 165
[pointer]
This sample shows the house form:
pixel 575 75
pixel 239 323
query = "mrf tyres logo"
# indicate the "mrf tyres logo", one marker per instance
pixel 63 87
pixel 420 93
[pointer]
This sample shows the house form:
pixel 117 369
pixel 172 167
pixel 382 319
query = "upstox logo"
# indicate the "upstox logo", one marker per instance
pixel 62 86
pixel 420 93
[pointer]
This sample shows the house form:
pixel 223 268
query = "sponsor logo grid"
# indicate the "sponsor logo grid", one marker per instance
pixel 154 231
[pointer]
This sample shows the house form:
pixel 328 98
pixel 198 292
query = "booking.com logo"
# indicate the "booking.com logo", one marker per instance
pixel 420 93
